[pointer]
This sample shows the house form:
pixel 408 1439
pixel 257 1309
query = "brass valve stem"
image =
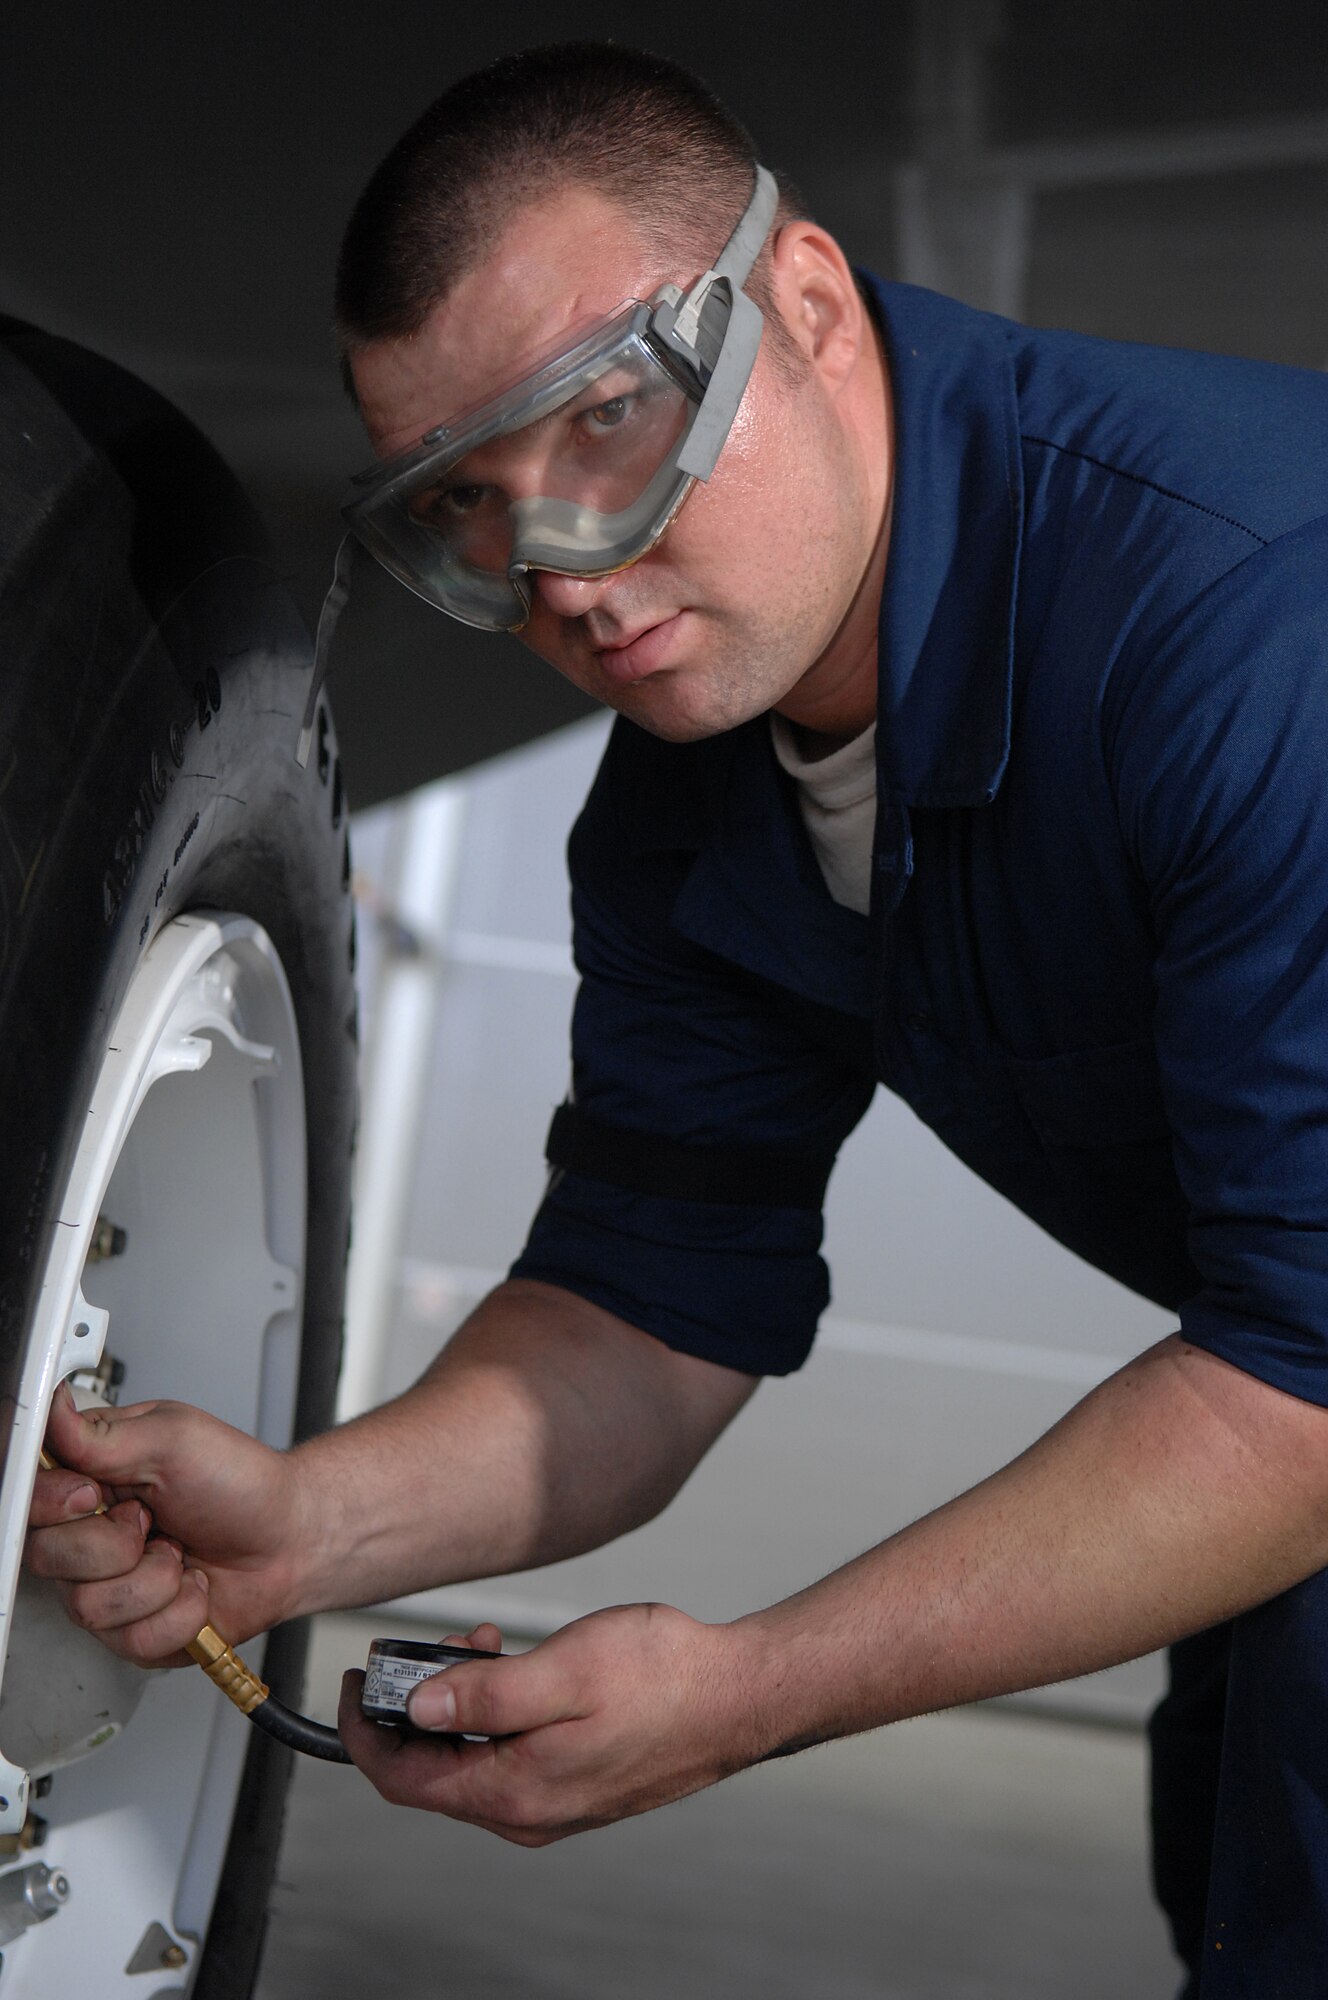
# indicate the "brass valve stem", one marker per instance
pixel 223 1665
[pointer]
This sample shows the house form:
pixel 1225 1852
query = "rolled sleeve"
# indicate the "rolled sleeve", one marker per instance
pixel 743 1286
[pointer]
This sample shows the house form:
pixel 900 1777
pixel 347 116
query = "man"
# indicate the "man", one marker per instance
pixel 1059 602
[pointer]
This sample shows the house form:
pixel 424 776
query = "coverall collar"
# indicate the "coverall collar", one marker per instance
pixel 947 609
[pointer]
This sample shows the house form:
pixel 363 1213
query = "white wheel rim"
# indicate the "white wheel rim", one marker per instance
pixel 194 1144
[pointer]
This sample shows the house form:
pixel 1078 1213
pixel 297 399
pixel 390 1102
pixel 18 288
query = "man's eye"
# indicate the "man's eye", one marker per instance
pixel 460 499
pixel 606 416
pixel 445 503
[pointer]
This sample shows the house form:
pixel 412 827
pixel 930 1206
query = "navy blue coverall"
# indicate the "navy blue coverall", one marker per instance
pixel 1096 964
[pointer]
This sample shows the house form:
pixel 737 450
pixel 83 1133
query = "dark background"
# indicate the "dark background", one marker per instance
pixel 176 178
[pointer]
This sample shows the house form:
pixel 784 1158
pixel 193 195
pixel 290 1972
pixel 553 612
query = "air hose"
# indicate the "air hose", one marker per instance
pixel 240 1684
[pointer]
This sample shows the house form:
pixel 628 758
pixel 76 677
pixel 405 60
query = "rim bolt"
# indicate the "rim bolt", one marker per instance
pixel 107 1241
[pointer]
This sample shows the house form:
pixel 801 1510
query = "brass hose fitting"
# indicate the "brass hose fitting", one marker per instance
pixel 224 1667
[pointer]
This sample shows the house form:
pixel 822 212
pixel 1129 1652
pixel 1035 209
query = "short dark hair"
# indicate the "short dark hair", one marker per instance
pixel 636 128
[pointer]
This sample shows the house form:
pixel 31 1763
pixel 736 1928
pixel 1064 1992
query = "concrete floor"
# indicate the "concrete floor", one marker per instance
pixel 982 1855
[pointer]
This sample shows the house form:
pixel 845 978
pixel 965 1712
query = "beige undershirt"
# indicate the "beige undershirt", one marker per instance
pixel 837 797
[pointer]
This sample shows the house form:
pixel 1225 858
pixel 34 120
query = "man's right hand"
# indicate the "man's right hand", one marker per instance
pixel 198 1528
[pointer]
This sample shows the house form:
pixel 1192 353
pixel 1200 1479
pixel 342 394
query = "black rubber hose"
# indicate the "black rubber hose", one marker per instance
pixel 298 1732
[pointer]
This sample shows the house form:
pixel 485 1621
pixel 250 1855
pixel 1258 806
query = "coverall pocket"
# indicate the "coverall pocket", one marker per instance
pixel 1092 1098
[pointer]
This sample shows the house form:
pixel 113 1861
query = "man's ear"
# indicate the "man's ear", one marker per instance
pixel 815 294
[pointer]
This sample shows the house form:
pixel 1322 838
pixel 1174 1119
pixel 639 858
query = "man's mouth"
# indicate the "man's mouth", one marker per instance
pixel 631 659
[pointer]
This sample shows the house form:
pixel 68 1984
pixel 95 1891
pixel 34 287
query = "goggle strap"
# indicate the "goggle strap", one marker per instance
pixel 741 251
pixel 710 428
pixel 333 606
pixel 734 261
pixel 733 366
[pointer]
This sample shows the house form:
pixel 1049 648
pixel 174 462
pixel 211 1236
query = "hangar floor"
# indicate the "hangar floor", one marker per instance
pixel 982 1855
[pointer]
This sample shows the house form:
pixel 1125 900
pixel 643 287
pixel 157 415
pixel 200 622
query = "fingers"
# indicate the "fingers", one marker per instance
pixel 62 1495
pixel 433 1774
pixel 132 1592
pixel 93 1547
pixel 107 1604
pixel 150 1615
pixel 485 1638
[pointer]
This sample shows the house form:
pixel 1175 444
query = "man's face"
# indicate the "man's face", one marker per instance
pixel 745 596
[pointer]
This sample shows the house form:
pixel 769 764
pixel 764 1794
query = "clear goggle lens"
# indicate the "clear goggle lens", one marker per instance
pixel 573 469
pixel 597 453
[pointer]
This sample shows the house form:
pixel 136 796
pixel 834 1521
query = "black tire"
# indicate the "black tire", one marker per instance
pixel 153 672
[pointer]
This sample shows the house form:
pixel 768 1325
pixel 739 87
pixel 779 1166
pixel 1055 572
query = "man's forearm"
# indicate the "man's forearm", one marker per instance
pixel 1178 1493
pixel 545 1427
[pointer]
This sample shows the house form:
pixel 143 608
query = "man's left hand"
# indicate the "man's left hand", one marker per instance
pixel 619 1712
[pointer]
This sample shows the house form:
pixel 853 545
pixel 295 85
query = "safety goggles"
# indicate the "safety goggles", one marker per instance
pixel 579 467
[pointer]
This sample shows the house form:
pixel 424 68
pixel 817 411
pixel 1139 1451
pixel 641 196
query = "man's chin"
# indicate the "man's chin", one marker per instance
pixel 673 707
pixel 673 727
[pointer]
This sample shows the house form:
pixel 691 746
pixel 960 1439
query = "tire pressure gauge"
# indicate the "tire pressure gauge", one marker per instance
pixel 396 1666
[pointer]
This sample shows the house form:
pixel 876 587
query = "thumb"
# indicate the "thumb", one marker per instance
pixel 493 1697
pixel 121 1447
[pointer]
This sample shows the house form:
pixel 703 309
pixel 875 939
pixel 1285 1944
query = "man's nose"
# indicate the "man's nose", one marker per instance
pixel 567 596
